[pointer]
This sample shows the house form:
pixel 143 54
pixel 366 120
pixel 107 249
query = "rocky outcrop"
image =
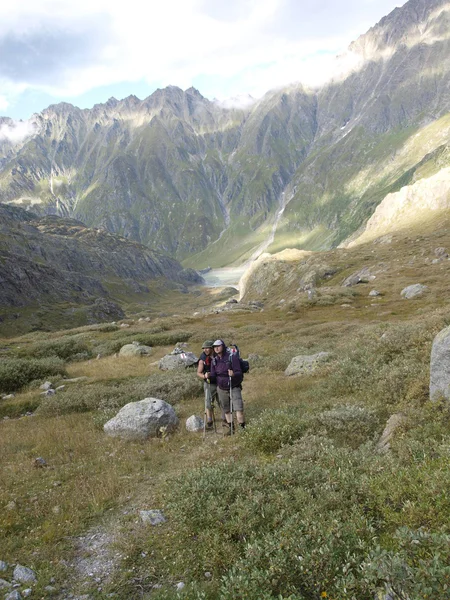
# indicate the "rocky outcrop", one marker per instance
pixel 59 259
pixel 135 349
pixel 413 291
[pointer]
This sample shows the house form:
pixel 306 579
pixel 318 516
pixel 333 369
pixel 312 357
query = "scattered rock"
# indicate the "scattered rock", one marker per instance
pixel 362 276
pixel 306 364
pixel 142 420
pixel 232 301
pixel 3 565
pixel 394 422
pixel 194 423
pixel 412 291
pixel 124 325
pixel 39 463
pixel 5 585
pixel 440 366
pixel 135 349
pixel 374 293
pixel 27 593
pixel 24 574
pixel 177 361
pixel 46 386
pixel 14 595
pixel 8 397
pixel 48 393
pixel 152 517
pixel 180 585
pixel 441 252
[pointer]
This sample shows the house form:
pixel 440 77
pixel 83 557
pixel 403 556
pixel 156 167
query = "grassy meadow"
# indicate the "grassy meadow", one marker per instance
pixel 300 506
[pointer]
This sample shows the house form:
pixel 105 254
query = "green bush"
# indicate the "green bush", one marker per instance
pixel 348 424
pixel 108 398
pixel 15 373
pixel 113 345
pixel 65 348
pixel 274 428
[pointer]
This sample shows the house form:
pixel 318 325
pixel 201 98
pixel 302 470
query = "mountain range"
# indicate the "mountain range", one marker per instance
pixel 211 184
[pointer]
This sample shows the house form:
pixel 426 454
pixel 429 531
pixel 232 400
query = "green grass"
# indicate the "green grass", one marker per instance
pixel 301 506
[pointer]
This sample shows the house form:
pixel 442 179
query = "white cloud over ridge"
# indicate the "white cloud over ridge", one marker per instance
pixel 243 46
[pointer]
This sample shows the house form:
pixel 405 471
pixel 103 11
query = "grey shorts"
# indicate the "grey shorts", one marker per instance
pixel 210 393
pixel 224 399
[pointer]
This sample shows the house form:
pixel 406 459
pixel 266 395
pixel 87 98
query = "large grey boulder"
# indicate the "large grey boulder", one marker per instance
pixel 177 361
pixel 306 364
pixel 135 349
pixel 440 365
pixel 142 420
pixel 412 291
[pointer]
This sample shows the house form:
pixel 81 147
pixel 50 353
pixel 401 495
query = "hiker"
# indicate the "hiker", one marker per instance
pixel 226 369
pixel 209 383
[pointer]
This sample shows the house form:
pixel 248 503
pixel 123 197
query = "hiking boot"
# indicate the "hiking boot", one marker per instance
pixel 242 425
pixel 225 423
pixel 209 425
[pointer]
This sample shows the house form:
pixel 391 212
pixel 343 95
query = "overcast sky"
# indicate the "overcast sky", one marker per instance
pixel 86 51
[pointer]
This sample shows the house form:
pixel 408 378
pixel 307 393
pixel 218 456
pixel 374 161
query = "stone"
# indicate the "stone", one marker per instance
pixel 46 386
pixel 24 574
pixel 14 595
pixel 5 585
pixel 441 252
pixel 142 420
pixel 194 423
pixel 362 276
pixel 177 361
pixel 3 565
pixel 180 585
pixel 49 392
pixel 135 349
pixel 394 422
pixel 124 325
pixel 152 517
pixel 27 592
pixel 306 364
pixel 374 293
pixel 39 463
pixel 413 291
pixel 8 397
pixel 440 366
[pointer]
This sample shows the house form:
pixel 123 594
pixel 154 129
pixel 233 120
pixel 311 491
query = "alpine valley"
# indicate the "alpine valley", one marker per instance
pixel 208 184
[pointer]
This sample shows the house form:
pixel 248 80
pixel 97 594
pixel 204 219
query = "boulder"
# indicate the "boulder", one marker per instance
pixel 135 349
pixel 142 420
pixel 5 585
pixel 374 293
pixel 440 365
pixel 362 276
pixel 194 423
pixel 306 364
pixel 177 361
pixel 412 291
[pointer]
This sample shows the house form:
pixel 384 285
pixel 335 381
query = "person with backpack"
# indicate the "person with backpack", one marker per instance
pixel 226 368
pixel 209 382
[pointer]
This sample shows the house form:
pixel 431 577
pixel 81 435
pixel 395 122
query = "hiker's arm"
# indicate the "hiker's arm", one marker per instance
pixel 200 369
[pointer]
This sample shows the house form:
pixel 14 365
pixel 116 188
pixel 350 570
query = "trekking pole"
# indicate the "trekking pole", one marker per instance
pixel 212 410
pixel 204 421
pixel 231 408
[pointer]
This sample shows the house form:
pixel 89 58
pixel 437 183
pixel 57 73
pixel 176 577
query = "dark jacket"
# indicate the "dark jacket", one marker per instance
pixel 219 370
pixel 207 360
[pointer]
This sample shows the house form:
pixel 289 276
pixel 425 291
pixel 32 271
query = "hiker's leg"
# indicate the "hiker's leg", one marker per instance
pixel 224 401
pixel 238 404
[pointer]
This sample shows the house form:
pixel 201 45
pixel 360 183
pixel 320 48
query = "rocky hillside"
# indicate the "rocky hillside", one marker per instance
pixel 206 183
pixel 57 259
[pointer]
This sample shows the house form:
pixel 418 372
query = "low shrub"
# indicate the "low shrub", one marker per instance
pixel 348 424
pixel 275 428
pixel 108 398
pixel 15 373
pixel 65 348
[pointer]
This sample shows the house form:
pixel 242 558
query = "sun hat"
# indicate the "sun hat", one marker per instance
pixel 207 344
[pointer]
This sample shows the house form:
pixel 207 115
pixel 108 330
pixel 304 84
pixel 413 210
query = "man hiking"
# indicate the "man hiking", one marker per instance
pixel 209 383
pixel 226 369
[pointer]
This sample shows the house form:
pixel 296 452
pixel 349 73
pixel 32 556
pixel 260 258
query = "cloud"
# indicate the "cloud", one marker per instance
pixel 17 131
pixel 242 46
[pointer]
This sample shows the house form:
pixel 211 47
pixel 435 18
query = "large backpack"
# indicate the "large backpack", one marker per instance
pixel 245 365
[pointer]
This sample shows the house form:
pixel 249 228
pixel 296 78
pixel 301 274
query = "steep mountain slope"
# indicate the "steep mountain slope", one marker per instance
pixel 204 183
pixel 54 259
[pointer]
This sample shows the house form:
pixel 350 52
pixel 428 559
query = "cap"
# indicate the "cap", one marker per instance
pixel 207 344
pixel 219 343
